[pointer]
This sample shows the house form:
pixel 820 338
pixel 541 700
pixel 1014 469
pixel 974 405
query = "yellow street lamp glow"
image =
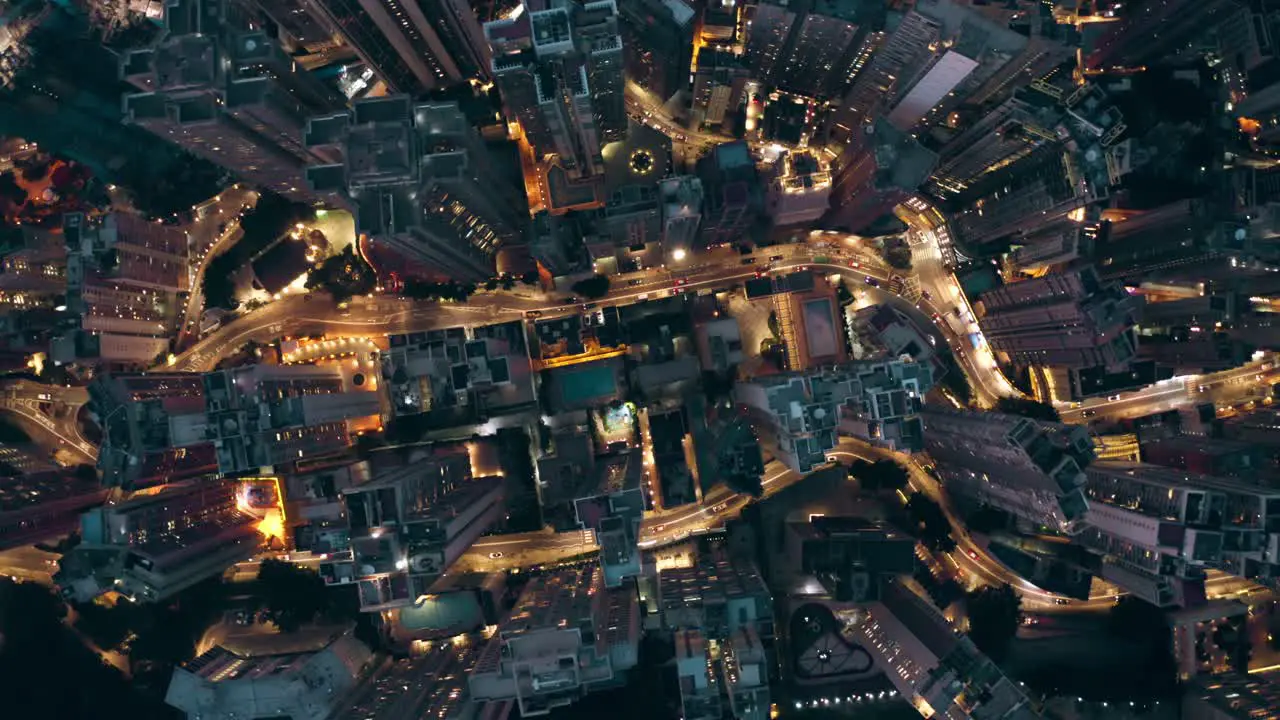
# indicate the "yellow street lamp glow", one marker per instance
pixel 679 254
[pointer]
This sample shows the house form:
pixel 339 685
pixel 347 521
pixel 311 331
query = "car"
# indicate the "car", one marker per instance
pixel 937 318
pixel 1062 601
pixel 926 295
pixel 45 396
pixel 571 300
pixel 533 314
pixel 633 283
pixel 1088 413
pixel 775 258
pixel 748 261
pixel 222 227
pixel 972 554
pixel 803 267
pixel 759 273
pixel 1112 398
pixel 872 281
pixel 1202 388
pixel 495 555
pixel 590 306
pixel 682 281
pixel 855 264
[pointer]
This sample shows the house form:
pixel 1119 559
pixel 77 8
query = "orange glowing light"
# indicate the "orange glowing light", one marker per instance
pixel 1249 126
pixel 272 525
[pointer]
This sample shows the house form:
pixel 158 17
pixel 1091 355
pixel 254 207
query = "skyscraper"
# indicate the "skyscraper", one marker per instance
pixel 1156 32
pixel 151 547
pixel 802 414
pixel 1070 319
pixel 731 191
pixel 1159 529
pixel 767 37
pixel 1007 133
pixel 880 168
pixel 227 95
pixel 412 45
pixel 421 181
pixel 560 72
pixel 161 427
pixel 1031 469
pixel 657 39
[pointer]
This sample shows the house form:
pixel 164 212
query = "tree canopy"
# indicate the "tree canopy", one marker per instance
pixel 994 613
pixel 930 523
pixel 879 475
pixel 596 286
pixel 1028 408
pixel 294 595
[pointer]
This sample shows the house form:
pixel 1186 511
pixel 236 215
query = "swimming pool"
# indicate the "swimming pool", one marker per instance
pixel 592 381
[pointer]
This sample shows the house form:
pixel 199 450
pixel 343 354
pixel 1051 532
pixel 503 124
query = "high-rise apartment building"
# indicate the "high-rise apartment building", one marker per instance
pixel 800 190
pixel 228 95
pixel 1230 697
pixel 1066 319
pixel 421 181
pixel 1056 179
pixel 1007 133
pixel 801 414
pixel 123 276
pixel 407 525
pixel 151 547
pixel 301 25
pixel 852 558
pixel 1156 33
pixel 681 212
pixel 696 674
pixel 1030 469
pixel 881 167
pixel 39 501
pixel 411 45
pixel 560 72
pixel 159 427
pixel 1158 529
pixel 565 636
pixel 657 39
pixel 940 54
pixel 732 196
pixel 941 673
pixel 767 37
pixel 903 50
pixel 719 86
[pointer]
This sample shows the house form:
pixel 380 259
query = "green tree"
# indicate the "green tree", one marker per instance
pixel 593 287
pixel 898 256
pixel 930 523
pixel 879 475
pixel 294 595
pixel 1028 408
pixel 530 278
pixel 994 613
pixel 343 276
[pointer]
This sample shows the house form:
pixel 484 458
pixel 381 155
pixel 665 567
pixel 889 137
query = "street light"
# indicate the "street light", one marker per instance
pixel 679 254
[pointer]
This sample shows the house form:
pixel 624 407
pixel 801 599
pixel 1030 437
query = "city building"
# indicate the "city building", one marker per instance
pixel 1054 247
pixel 615 518
pixel 39 502
pixel 123 275
pixel 681 212
pixel 302 683
pixel 719 87
pixel 731 193
pixel 151 547
pixel 1180 239
pixel 718 597
pixel 886 331
pixel 1031 469
pixel 851 558
pixel 1056 180
pixel 1006 133
pixel 228 95
pixel 421 181
pixel 1065 319
pixel 458 375
pixel 411 46
pixel 565 636
pixel 560 72
pixel 800 190
pixel 165 426
pixel 935 669
pixel 657 39
pixel 409 524
pixel 746 666
pixel 1155 34
pixel 801 414
pixel 696 671
pixel 881 167
pixel 1159 529
pixel 767 37
pixel 904 49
